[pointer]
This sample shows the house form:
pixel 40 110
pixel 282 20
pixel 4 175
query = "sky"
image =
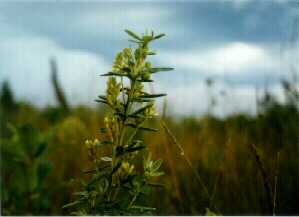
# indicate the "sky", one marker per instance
pixel 245 46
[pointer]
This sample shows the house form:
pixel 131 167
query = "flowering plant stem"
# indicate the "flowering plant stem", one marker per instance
pixel 118 184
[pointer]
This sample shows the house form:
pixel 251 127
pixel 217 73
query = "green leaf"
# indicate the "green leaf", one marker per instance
pixel 103 97
pixel 147 38
pixel 142 109
pixel 107 159
pixel 81 193
pixel 138 42
pixel 210 213
pixel 159 36
pixel 153 95
pixel 40 149
pixel 135 148
pixel 135 143
pixel 151 53
pixel 142 207
pixel 103 130
pixel 145 80
pixel 102 101
pixel 161 69
pixel 133 35
pixel 157 164
pixel 115 74
pixel 91 171
pixel 139 99
pixel 71 204
pixel 156 185
pixel 142 128
pixel 136 116
pixel 157 173
pixel 148 129
pixel 116 168
pixel 79 213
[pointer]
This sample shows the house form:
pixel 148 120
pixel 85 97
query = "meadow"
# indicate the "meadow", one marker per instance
pixel 214 166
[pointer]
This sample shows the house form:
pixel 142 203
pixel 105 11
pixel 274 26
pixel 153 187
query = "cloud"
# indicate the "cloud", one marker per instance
pixel 195 99
pixel 109 21
pixel 234 48
pixel 25 63
pixel 231 58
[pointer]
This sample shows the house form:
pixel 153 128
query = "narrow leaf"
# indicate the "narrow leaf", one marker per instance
pixel 153 95
pixel 157 164
pixel 159 36
pixel 81 193
pixel 156 184
pixel 132 34
pixel 157 174
pixel 138 99
pixel 103 130
pixel 142 128
pixel 145 80
pixel 103 97
pixel 102 101
pixel 136 116
pixel 142 109
pixel 148 129
pixel 142 207
pixel 135 148
pixel 71 204
pixel 138 42
pixel 107 159
pixel 135 142
pixel 161 69
pixel 41 148
pixel 115 74
pixel 116 168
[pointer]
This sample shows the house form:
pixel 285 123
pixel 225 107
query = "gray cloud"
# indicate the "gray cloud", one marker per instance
pixel 239 44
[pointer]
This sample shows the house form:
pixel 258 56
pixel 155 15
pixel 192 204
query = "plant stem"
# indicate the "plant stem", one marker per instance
pixel 127 110
pixel 275 184
pixel 266 182
pixel 133 200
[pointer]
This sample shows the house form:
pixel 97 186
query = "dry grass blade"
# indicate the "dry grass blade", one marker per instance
pixel 182 152
pixel 275 184
pixel 266 182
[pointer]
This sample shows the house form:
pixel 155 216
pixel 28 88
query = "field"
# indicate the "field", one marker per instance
pixel 237 165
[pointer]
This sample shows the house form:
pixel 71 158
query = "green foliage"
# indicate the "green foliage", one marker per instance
pixel 24 171
pixel 210 213
pixel 117 184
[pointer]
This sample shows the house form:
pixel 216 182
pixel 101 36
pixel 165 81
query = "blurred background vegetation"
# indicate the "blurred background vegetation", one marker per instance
pixel 237 165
